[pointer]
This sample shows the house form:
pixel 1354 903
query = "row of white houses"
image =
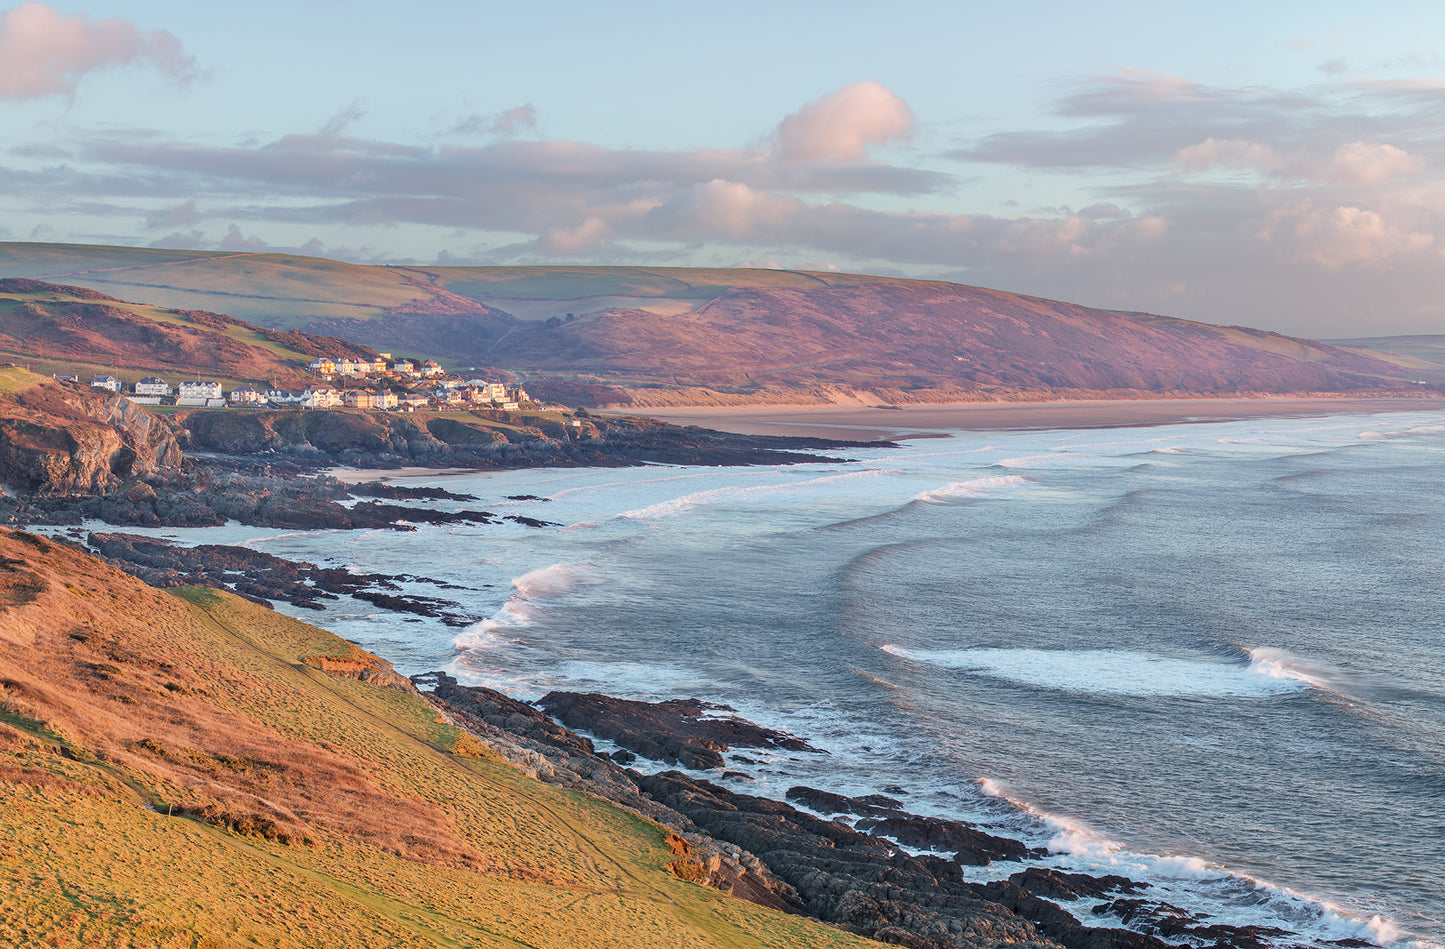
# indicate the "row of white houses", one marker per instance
pixel 449 392
pixel 374 367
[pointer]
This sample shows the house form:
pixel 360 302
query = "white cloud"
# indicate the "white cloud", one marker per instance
pixel 563 241
pixel 43 53
pixel 841 125
pixel 1229 152
pixel 722 209
pixel 1364 163
pixel 1340 237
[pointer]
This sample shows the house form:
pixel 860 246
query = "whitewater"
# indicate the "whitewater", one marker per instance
pixel 1208 656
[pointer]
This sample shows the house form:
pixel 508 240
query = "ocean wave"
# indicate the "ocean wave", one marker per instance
pixel 1278 664
pixel 1206 889
pixel 555 580
pixel 1113 671
pixel 687 502
pixel 1057 459
pixel 1069 459
pixel 975 488
pixel 520 608
pixel 1403 432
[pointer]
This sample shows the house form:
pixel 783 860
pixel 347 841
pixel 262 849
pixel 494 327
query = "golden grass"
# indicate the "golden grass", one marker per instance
pixel 17 379
pixel 173 772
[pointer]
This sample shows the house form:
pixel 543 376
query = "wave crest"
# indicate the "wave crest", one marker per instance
pixel 976 488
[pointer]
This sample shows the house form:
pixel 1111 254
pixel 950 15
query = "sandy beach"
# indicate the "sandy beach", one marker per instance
pixel 865 423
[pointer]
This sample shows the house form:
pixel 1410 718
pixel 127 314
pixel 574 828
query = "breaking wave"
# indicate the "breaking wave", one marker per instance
pixel 1202 888
pixel 1114 671
pixel 976 488
pixel 519 610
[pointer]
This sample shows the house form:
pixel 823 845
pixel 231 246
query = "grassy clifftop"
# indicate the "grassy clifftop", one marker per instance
pixel 178 769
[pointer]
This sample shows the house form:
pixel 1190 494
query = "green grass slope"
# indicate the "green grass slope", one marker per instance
pixel 177 770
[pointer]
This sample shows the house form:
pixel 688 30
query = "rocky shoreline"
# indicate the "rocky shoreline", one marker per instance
pixel 864 864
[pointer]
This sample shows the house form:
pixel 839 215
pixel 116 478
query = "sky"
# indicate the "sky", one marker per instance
pixel 1279 165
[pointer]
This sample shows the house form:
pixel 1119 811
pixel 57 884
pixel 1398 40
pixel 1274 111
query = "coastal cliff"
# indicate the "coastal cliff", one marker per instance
pixel 56 439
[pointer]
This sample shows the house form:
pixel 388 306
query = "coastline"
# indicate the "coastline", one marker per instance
pixel 931 421
pixel 1052 414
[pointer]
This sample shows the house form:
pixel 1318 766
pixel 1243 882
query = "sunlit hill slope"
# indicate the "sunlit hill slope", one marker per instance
pixel 187 768
pixel 653 335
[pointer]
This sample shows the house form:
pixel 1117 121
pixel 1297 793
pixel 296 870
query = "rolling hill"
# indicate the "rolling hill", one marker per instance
pixel 658 336
pixel 78 331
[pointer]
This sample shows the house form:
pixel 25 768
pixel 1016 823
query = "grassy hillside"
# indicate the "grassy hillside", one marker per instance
pixel 662 335
pixel 177 769
pixel 273 290
pixel 1426 354
pixel 82 332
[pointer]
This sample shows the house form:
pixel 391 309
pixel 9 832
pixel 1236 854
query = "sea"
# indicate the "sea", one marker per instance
pixel 1209 656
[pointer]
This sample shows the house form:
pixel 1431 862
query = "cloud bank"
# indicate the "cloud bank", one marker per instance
pixel 43 53
pixel 1317 211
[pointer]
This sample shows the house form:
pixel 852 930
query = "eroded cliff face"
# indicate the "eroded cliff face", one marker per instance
pixel 59 440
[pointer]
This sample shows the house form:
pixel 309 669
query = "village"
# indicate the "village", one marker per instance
pixel 383 384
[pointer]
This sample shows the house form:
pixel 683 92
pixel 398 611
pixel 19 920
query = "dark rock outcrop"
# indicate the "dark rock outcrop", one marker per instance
pixel 683 731
pixel 386 440
pixel 261 576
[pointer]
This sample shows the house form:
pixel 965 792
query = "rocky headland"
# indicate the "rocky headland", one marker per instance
pixel 72 453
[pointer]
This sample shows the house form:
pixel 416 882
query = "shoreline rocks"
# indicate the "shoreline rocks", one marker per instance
pixel 858 878
pixel 688 732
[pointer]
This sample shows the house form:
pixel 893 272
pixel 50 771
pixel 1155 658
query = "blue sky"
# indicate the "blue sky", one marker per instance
pixel 1279 168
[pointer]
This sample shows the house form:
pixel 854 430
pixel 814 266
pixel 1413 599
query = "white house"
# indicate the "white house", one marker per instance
pixel 152 385
pixel 321 397
pixel 198 393
pixel 106 382
pixel 284 397
pixel 245 395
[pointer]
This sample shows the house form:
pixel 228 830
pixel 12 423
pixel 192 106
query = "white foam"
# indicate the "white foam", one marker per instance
pixel 1204 888
pixel 976 488
pixel 1278 664
pixel 1059 459
pixel 1109 671
pixel 750 494
pixel 1404 432
pixel 519 610
pixel 554 581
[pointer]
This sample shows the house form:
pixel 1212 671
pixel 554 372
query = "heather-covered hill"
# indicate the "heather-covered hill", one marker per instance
pixel 660 335
pixel 78 331
pixel 913 341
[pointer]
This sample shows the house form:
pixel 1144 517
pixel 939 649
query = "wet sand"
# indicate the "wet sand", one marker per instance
pixel 863 423
pixel 360 475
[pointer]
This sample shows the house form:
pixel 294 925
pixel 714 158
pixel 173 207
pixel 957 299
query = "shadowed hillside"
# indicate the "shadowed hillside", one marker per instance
pixel 657 336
